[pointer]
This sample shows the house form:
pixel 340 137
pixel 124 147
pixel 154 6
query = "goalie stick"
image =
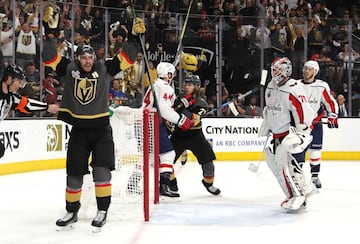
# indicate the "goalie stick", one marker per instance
pixel 242 96
pixel 255 167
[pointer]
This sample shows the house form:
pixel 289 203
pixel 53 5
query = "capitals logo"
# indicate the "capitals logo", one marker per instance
pixel 54 138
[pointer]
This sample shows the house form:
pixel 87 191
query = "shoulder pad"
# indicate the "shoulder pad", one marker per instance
pixel 200 102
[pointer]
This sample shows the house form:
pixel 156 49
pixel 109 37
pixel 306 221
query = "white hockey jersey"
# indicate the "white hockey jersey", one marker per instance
pixel 318 93
pixel 165 97
pixel 287 105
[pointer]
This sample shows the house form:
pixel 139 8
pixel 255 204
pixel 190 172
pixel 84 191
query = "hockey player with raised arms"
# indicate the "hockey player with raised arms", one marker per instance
pixel 85 107
pixel 13 79
pixel 318 93
pixel 288 117
pixel 164 101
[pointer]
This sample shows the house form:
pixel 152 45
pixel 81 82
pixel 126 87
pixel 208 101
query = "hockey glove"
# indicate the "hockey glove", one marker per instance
pixel 51 20
pixel 333 121
pixel 184 123
pixel 138 27
pixel 188 100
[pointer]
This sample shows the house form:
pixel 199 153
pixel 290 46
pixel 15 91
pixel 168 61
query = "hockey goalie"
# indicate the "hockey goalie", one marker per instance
pixel 287 118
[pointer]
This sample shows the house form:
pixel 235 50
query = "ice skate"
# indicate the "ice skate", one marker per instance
pixel 294 204
pixel 316 181
pixel 67 222
pixel 99 220
pixel 210 188
pixel 173 187
pixel 183 158
pixel 164 191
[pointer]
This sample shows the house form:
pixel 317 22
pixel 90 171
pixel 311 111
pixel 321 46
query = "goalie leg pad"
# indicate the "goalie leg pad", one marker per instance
pixel 276 163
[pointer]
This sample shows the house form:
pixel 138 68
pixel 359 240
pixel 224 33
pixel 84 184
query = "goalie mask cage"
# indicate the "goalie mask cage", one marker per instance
pixel 135 186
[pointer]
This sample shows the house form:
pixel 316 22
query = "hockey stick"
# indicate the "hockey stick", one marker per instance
pixel 145 58
pixel 179 47
pixel 255 167
pixel 242 96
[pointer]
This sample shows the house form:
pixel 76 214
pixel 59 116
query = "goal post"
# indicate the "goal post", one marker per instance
pixel 135 187
pixel 136 139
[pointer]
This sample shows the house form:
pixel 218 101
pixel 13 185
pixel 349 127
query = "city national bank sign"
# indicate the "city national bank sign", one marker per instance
pixel 233 134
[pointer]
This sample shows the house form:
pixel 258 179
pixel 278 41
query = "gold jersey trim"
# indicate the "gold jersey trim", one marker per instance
pixel 95 116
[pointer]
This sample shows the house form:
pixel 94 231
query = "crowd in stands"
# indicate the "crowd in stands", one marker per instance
pixel 299 29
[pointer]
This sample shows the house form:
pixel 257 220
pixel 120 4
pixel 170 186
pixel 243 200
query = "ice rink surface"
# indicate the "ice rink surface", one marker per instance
pixel 247 211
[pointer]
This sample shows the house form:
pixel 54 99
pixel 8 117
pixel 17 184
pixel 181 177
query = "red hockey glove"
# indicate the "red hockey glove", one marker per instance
pixel 333 121
pixel 184 123
pixel 188 100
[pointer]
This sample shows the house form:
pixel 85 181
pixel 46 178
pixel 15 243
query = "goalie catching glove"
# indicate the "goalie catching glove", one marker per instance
pixel 297 140
pixel 332 121
pixel 138 26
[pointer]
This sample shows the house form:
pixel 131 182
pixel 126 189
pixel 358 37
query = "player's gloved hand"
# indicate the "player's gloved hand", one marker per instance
pixel 138 27
pixel 188 100
pixel 51 20
pixel 302 128
pixel 184 123
pixel 332 121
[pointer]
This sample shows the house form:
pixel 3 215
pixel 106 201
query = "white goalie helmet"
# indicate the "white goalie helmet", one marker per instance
pixel 313 65
pixel 165 70
pixel 296 142
pixel 281 68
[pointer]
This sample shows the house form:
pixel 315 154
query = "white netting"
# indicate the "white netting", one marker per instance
pixel 127 180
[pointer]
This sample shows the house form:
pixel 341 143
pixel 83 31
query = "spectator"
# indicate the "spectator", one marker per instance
pixel 50 92
pixel 348 54
pixel 139 68
pixel 338 37
pixel 133 96
pixel 6 43
pixel 279 44
pixel 316 37
pixel 117 91
pixel 253 109
pixel 236 109
pixel 26 46
pixel 342 107
pixel 153 74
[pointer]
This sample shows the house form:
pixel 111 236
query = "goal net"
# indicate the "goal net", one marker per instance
pixel 134 187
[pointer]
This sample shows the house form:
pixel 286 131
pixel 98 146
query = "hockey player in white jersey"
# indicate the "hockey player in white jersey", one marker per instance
pixel 165 97
pixel 288 117
pixel 318 93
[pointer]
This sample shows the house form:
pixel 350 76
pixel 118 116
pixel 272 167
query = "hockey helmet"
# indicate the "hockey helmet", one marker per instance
pixel 85 49
pixel 165 70
pixel 313 65
pixel 15 72
pixel 281 69
pixel 194 79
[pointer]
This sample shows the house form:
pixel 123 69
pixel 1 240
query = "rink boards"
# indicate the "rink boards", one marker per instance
pixel 41 144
